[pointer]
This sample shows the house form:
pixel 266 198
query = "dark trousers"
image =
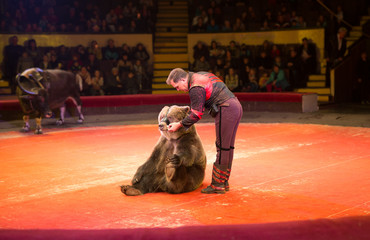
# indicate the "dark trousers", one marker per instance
pixel 227 122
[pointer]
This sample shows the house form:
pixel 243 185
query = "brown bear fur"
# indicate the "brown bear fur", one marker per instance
pixel 177 163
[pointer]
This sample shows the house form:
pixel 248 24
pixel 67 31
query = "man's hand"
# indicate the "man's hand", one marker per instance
pixel 173 127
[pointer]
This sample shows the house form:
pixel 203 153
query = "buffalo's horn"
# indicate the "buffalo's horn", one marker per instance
pixel 27 86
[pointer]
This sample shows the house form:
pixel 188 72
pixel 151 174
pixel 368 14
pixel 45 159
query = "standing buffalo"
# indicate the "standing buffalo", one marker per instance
pixel 40 91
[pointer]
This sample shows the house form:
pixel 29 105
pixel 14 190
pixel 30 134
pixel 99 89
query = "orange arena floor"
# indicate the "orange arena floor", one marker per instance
pixel 68 180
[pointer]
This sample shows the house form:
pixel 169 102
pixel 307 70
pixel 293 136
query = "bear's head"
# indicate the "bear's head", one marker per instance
pixel 169 115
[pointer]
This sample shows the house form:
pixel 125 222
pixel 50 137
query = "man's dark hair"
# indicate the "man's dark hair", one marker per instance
pixel 175 75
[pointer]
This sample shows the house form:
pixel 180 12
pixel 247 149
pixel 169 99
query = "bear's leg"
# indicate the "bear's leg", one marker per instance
pixel 130 190
pixel 175 179
pixel 171 165
pixel 170 172
pixel 183 179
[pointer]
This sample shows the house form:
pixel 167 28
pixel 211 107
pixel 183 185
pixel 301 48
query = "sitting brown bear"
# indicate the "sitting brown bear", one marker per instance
pixel 177 163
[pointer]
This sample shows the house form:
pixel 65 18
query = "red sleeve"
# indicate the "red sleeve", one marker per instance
pixel 197 100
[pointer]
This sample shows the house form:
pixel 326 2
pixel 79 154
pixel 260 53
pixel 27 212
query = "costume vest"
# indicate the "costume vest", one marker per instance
pixel 216 90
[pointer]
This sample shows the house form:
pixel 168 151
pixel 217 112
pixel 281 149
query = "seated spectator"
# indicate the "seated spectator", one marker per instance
pixel 97 83
pixel 24 62
pixel 212 27
pixel 293 16
pixel 277 81
pixel 202 15
pixel 264 77
pixel 61 28
pixel 200 26
pixel 266 46
pixel 321 21
pixel 126 50
pixel 140 53
pixel 220 66
pixel 95 49
pixel 81 51
pixel 235 53
pixel 43 23
pixel 252 85
pixel 244 70
pixel 263 62
pixel 132 84
pixel 64 56
pixel 200 50
pixel 245 51
pixel 86 81
pixel 72 19
pixel 275 51
pixel 129 10
pixel 281 23
pixel 92 64
pixel 265 26
pixel 124 66
pixel 201 65
pixel 232 80
pixel 111 19
pixel 215 52
pixel 52 17
pixel 284 12
pixel 252 16
pixel 244 17
pixel 123 23
pixel 114 84
pixel 45 63
pixel 239 25
pixel 268 20
pixel 132 28
pixel 111 52
pixel 226 27
pixel 140 76
pixel 102 27
pixel 198 10
pixel 75 64
pixel 27 29
pixel 301 22
pixel 54 62
pixel 278 61
pixel 294 24
pixel 230 61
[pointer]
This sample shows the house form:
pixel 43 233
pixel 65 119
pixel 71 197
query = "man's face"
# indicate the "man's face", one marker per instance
pixel 181 85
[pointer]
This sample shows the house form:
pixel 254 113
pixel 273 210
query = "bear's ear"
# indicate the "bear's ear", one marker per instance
pixel 186 109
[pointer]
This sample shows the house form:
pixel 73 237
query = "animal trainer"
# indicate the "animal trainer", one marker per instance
pixel 208 92
pixel 41 91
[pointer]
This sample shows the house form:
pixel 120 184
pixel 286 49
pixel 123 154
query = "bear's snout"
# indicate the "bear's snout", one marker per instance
pixel 162 126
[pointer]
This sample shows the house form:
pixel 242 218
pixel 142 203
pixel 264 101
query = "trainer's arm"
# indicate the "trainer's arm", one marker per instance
pixel 197 100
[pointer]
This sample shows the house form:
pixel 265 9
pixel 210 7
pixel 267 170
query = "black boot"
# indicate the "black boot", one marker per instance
pixel 219 176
